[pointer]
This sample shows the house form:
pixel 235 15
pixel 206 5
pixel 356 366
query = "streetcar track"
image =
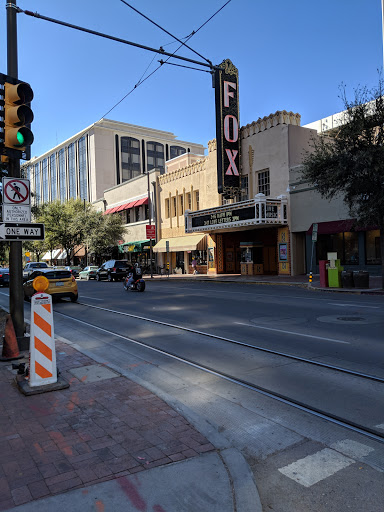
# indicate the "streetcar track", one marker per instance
pixel 247 345
pixel 332 418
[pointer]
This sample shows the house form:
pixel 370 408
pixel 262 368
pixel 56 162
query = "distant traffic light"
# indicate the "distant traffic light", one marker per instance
pixel 17 115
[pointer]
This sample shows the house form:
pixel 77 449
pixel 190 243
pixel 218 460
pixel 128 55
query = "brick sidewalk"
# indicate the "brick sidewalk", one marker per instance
pixel 89 433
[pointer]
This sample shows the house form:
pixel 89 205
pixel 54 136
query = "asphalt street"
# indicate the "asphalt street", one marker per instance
pixel 279 442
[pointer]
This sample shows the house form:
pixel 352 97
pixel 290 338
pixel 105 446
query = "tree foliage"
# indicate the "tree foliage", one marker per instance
pixel 74 223
pixel 349 162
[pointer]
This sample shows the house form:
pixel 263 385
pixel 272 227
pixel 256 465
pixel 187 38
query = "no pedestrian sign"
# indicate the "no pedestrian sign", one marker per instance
pixel 16 191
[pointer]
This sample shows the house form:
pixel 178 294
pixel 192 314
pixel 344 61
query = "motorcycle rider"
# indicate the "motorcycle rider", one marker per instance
pixel 135 274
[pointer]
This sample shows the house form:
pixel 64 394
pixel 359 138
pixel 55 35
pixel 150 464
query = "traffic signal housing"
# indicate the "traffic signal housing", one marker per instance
pixel 18 114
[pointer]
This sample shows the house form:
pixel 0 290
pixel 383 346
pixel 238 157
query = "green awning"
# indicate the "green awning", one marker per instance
pixel 133 246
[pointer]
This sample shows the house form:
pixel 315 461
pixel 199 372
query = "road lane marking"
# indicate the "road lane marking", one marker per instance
pixel 312 469
pixel 292 332
pixel 92 298
pixel 353 304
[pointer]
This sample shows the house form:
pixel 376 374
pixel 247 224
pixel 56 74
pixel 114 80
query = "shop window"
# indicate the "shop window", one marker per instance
pixel 200 256
pixel 372 247
pixel 263 184
pixel 244 188
pixel 346 246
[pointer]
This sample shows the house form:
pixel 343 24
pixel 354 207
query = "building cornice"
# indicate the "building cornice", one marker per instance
pixel 267 122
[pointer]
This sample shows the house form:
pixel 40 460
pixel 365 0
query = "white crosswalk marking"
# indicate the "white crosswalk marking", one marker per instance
pixel 352 448
pixel 314 468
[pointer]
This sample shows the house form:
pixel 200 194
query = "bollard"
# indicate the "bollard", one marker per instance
pixel 310 279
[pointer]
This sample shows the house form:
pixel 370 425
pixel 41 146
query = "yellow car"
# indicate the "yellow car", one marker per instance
pixel 61 284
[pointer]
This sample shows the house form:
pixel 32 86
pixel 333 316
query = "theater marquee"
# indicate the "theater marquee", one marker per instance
pixel 227 129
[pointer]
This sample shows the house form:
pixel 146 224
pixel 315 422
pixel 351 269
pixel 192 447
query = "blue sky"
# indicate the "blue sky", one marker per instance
pixel 291 55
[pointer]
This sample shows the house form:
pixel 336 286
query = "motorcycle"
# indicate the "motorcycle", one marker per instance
pixel 131 284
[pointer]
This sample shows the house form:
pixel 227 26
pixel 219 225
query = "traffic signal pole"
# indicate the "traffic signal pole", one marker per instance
pixel 16 296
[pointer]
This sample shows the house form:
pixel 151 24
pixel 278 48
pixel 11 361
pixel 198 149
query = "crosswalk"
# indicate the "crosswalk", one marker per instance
pixel 326 462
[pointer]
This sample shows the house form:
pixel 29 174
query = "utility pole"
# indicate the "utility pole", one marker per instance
pixel 150 222
pixel 16 296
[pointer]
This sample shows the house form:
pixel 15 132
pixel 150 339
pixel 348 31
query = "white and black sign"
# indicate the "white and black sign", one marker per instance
pixel 16 213
pixel 16 231
pixel 227 129
pixel 16 191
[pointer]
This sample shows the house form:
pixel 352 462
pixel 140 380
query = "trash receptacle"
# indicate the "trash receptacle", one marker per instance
pixel 361 279
pixel 347 279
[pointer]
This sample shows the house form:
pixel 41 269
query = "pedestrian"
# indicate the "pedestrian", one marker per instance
pixel 194 265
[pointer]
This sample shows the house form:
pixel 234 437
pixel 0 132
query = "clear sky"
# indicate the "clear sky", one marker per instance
pixel 291 55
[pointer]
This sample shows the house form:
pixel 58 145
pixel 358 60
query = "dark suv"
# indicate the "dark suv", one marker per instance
pixel 113 270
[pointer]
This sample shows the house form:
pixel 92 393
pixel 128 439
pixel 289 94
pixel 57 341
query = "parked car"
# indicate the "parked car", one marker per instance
pixel 4 276
pixel 75 270
pixel 61 284
pixel 31 267
pixel 88 273
pixel 113 270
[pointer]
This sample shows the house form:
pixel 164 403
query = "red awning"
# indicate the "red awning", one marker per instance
pixel 107 211
pixel 142 201
pixel 339 226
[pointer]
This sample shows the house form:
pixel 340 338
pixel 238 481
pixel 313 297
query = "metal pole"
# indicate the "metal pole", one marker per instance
pixel 150 222
pixel 382 27
pixel 16 296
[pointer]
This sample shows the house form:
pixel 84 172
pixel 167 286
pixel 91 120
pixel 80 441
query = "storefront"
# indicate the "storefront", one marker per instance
pixel 180 252
pixel 136 252
pixel 249 237
pixel 357 248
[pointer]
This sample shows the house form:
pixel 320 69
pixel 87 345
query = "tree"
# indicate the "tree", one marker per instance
pixel 104 233
pixel 349 161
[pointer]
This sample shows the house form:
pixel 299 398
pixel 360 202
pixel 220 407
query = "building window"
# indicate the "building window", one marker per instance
pixel 197 200
pixel 44 179
pixel 71 171
pixel 167 212
pixel 244 189
pixel 263 182
pixel 188 204
pixel 52 162
pixel 174 206
pixel 155 156
pixel 83 182
pixel 181 204
pixel 62 177
pixel 130 158
pixel 146 211
pixel 176 151
pixel 37 184
pixel 372 247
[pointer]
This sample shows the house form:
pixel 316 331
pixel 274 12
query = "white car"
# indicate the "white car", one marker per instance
pixel 31 267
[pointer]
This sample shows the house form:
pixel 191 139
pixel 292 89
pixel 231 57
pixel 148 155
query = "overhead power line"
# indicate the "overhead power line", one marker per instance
pixel 165 62
pixel 164 30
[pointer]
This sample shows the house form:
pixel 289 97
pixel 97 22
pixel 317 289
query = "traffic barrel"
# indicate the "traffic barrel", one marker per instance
pixel 10 346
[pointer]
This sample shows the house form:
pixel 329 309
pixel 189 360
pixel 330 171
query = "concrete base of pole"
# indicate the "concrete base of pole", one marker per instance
pixel 27 390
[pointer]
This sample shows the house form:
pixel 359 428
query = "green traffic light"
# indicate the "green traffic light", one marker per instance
pixel 20 138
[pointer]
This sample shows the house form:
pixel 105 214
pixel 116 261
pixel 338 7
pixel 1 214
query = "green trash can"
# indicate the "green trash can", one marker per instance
pixel 361 279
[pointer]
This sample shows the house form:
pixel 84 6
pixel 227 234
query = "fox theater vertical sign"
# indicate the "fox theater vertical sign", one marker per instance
pixel 227 129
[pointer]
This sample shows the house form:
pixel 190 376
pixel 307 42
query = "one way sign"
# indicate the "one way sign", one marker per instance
pixel 16 231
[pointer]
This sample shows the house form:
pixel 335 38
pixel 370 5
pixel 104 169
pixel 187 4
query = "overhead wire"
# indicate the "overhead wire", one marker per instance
pixel 141 81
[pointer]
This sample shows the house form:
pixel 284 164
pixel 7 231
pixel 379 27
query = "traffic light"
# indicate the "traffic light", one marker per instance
pixel 17 115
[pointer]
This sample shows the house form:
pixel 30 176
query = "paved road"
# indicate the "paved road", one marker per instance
pixel 300 463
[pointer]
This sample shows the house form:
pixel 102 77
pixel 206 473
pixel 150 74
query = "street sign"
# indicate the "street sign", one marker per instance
pixel 151 231
pixel 16 231
pixel 16 191
pixel 314 232
pixel 16 213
